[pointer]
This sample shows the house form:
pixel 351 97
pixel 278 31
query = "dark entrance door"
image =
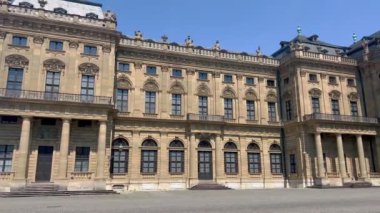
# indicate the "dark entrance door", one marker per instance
pixel 205 165
pixel 44 162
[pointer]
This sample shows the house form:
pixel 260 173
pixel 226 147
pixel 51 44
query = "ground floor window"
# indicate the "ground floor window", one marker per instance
pixel 6 155
pixel 149 161
pixel 276 163
pixel 293 164
pixel 82 158
pixel 254 163
pixel 176 162
pixel 230 161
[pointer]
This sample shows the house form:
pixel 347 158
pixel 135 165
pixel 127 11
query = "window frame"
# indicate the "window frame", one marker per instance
pixel 121 67
pixel 203 105
pixel 90 50
pixel 313 77
pixel 228 108
pixel 316 105
pixel 83 159
pixel 293 164
pixel 122 96
pixel 248 79
pixel 333 80
pixel 6 157
pixel 203 76
pixel 176 104
pixel 151 70
pixel 177 73
pixel 251 111
pixel 119 149
pixel 231 166
pixel 177 166
pixel 228 79
pixel 55 45
pixel 351 82
pixel 335 107
pixel 18 40
pixel 87 90
pixel 149 166
pixel 271 83
pixel 150 102
pixel 272 112
pixel 288 110
pixel 354 108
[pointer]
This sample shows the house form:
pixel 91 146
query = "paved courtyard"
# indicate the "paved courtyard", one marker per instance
pixel 279 200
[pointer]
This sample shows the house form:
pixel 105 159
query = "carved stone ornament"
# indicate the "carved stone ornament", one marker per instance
pixel 89 69
pixel 353 96
pixel 203 90
pixel 54 65
pixel 151 85
pixel 16 61
pixel 271 97
pixel 216 74
pixel 250 94
pixel 74 44
pixel 107 49
pixel 315 93
pixel 334 94
pixel 38 40
pixel 138 65
pixel 177 88
pixel 228 92
pixel 138 35
pixel 123 82
pixel 3 35
pixel 165 69
pixel 190 71
pixel 110 16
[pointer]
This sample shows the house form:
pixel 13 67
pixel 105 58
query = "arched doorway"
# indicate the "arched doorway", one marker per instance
pixel 205 161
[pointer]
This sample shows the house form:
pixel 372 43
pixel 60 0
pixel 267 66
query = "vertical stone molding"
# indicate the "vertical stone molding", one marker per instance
pixel 319 152
pixel 64 149
pixel 342 163
pixel 359 143
pixel 101 150
pixel 21 169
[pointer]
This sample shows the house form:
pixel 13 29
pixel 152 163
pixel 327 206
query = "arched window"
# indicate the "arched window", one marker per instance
pixel 120 156
pixel 230 159
pixel 254 159
pixel 149 157
pixel 275 159
pixel 60 10
pixel 176 157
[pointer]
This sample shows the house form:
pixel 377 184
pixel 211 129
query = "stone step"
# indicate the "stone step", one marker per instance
pixel 209 186
pixel 358 184
pixel 55 193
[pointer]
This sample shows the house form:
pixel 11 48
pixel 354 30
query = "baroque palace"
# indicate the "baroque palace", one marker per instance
pixel 85 107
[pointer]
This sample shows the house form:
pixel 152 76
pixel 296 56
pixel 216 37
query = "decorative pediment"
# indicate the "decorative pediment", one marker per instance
pixel 203 90
pixel 151 85
pixel 229 92
pixel 353 96
pixel 271 97
pixel 89 69
pixel 177 88
pixel 123 82
pixel 334 94
pixel 315 93
pixel 54 65
pixel 16 61
pixel 250 94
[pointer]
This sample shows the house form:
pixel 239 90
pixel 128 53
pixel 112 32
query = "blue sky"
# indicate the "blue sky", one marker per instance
pixel 243 25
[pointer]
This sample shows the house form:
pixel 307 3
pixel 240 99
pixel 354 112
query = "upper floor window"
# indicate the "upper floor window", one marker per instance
pixel 150 102
pixel 20 40
pixel 270 83
pixel 56 45
pixel 176 104
pixel 354 108
pixel 87 88
pixel 92 15
pixel 202 75
pixel 124 67
pixel 26 4
pixel 350 82
pixel 250 110
pixel 8 120
pixel 315 105
pixel 52 85
pixel 60 10
pixel 335 107
pixel 228 108
pixel 203 105
pixel 122 100
pixel 288 110
pixel 151 70
pixel 90 50
pixel 332 80
pixel 272 111
pixel 286 81
pixel 177 73
pixel 249 81
pixel 313 78
pixel 228 78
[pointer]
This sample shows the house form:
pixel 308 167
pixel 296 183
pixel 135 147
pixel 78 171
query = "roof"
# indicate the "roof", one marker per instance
pixel 74 7
pixel 357 46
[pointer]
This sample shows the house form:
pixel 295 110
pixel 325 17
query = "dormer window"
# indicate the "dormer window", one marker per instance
pixel 26 4
pixel 92 15
pixel 60 10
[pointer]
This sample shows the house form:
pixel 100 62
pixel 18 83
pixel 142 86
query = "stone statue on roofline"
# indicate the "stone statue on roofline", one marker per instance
pixel 138 35
pixel 42 3
pixel 110 16
pixel 189 42
pixel 216 46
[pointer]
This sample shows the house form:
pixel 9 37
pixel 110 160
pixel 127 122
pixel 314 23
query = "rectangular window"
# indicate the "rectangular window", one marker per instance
pixel 8 120
pixel 276 163
pixel 249 81
pixel 151 70
pixel 56 45
pixel 228 108
pixel 228 78
pixel 251 110
pixel 315 105
pixel 335 107
pixel 313 78
pixel 203 105
pixel 84 123
pixel 286 81
pixel 52 85
pixel 176 162
pixel 20 41
pixel 350 82
pixel 254 163
pixel 332 80
pixel 150 102
pixel 272 111
pixel 122 100
pixel 288 110
pixel 14 82
pixel 123 67
pixel 177 73
pixel 202 76
pixel 176 104
pixel 230 162
pixel 270 83
pixel 148 161
pixel 82 158
pixel 90 50
pixel 48 122
pixel 120 161
pixel 354 108
pixel 293 163
pixel 87 88
pixel 6 155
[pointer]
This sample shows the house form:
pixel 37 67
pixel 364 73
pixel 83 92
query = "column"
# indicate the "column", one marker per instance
pixel 218 157
pixel 101 150
pixel 318 148
pixel 342 162
pixel 64 149
pixel 23 151
pixel 193 157
pixel 359 143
